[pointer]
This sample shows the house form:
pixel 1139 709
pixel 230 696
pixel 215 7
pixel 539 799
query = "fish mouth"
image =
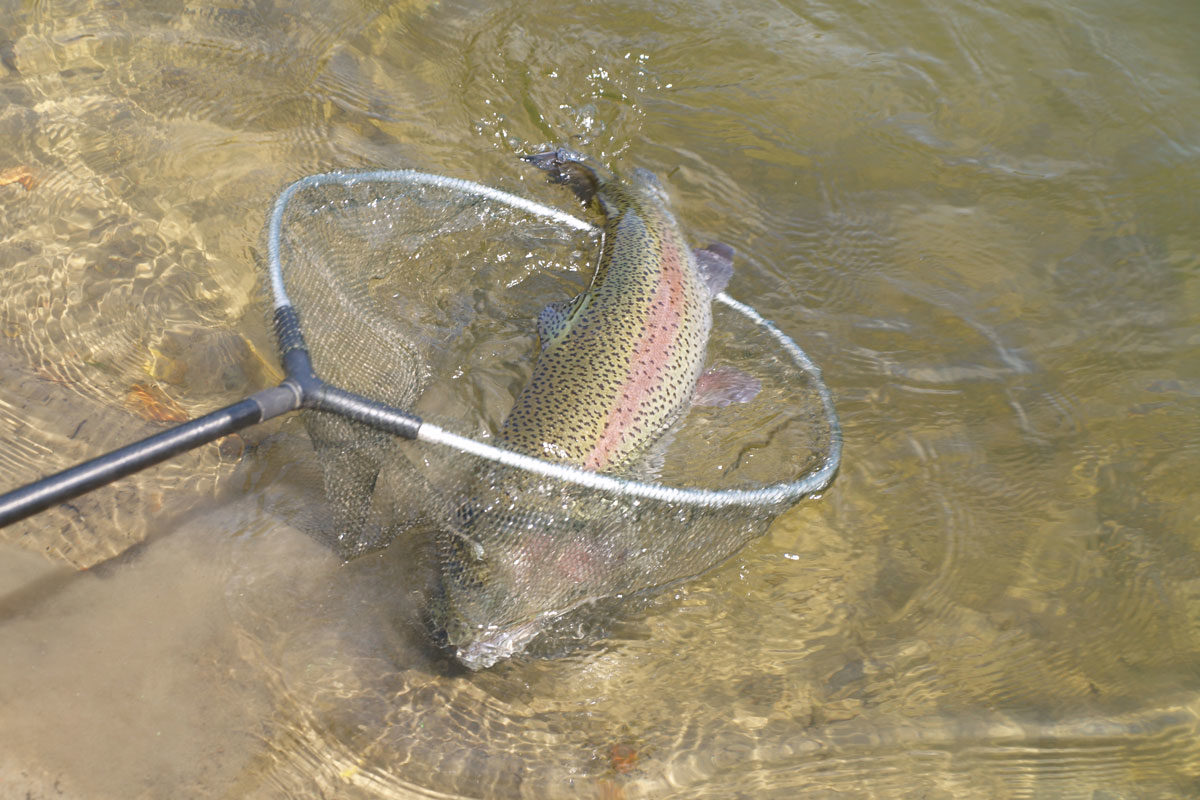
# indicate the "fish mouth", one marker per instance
pixel 485 651
pixel 484 645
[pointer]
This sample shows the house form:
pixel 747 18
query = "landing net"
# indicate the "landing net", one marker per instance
pixel 419 292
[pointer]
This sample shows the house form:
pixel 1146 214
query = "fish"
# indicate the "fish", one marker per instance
pixel 617 367
pixel 620 362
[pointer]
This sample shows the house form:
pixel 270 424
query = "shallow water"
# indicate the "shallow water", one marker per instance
pixel 979 221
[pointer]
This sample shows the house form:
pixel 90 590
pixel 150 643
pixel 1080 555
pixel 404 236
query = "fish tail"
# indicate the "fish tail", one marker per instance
pixel 570 169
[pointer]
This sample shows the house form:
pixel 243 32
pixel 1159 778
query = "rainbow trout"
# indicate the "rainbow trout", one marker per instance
pixel 618 365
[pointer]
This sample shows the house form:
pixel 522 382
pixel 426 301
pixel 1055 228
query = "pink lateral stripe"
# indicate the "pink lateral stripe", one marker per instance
pixel 650 356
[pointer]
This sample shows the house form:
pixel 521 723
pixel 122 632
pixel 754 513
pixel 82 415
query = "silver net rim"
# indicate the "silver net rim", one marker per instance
pixel 810 483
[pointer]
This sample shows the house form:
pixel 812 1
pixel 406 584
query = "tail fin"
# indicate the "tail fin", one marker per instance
pixel 567 167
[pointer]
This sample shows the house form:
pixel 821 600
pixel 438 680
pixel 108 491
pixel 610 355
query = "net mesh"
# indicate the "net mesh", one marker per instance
pixel 424 297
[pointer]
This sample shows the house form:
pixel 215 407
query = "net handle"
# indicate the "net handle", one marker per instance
pixel 786 492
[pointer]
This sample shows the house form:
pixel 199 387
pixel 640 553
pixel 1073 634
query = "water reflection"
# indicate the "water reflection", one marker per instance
pixel 979 221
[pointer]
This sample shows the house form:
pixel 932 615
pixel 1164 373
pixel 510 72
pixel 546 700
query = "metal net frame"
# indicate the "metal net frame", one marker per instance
pixel 393 420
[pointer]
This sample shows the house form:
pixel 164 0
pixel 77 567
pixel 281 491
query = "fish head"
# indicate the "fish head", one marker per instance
pixel 479 608
pixel 510 567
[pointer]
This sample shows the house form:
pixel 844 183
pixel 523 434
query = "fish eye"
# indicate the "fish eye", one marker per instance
pixel 464 564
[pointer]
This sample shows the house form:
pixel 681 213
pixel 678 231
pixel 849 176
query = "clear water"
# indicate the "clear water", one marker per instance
pixel 979 220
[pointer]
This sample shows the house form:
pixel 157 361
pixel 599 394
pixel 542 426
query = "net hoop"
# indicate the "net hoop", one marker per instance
pixel 785 492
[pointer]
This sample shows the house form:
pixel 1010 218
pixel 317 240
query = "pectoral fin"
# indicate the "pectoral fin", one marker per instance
pixel 716 266
pixel 721 386
pixel 552 320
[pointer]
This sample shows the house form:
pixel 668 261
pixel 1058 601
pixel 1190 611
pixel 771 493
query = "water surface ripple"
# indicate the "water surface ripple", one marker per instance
pixel 978 219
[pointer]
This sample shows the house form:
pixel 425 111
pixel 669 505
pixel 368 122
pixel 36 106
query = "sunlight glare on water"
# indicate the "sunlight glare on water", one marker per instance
pixel 978 219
